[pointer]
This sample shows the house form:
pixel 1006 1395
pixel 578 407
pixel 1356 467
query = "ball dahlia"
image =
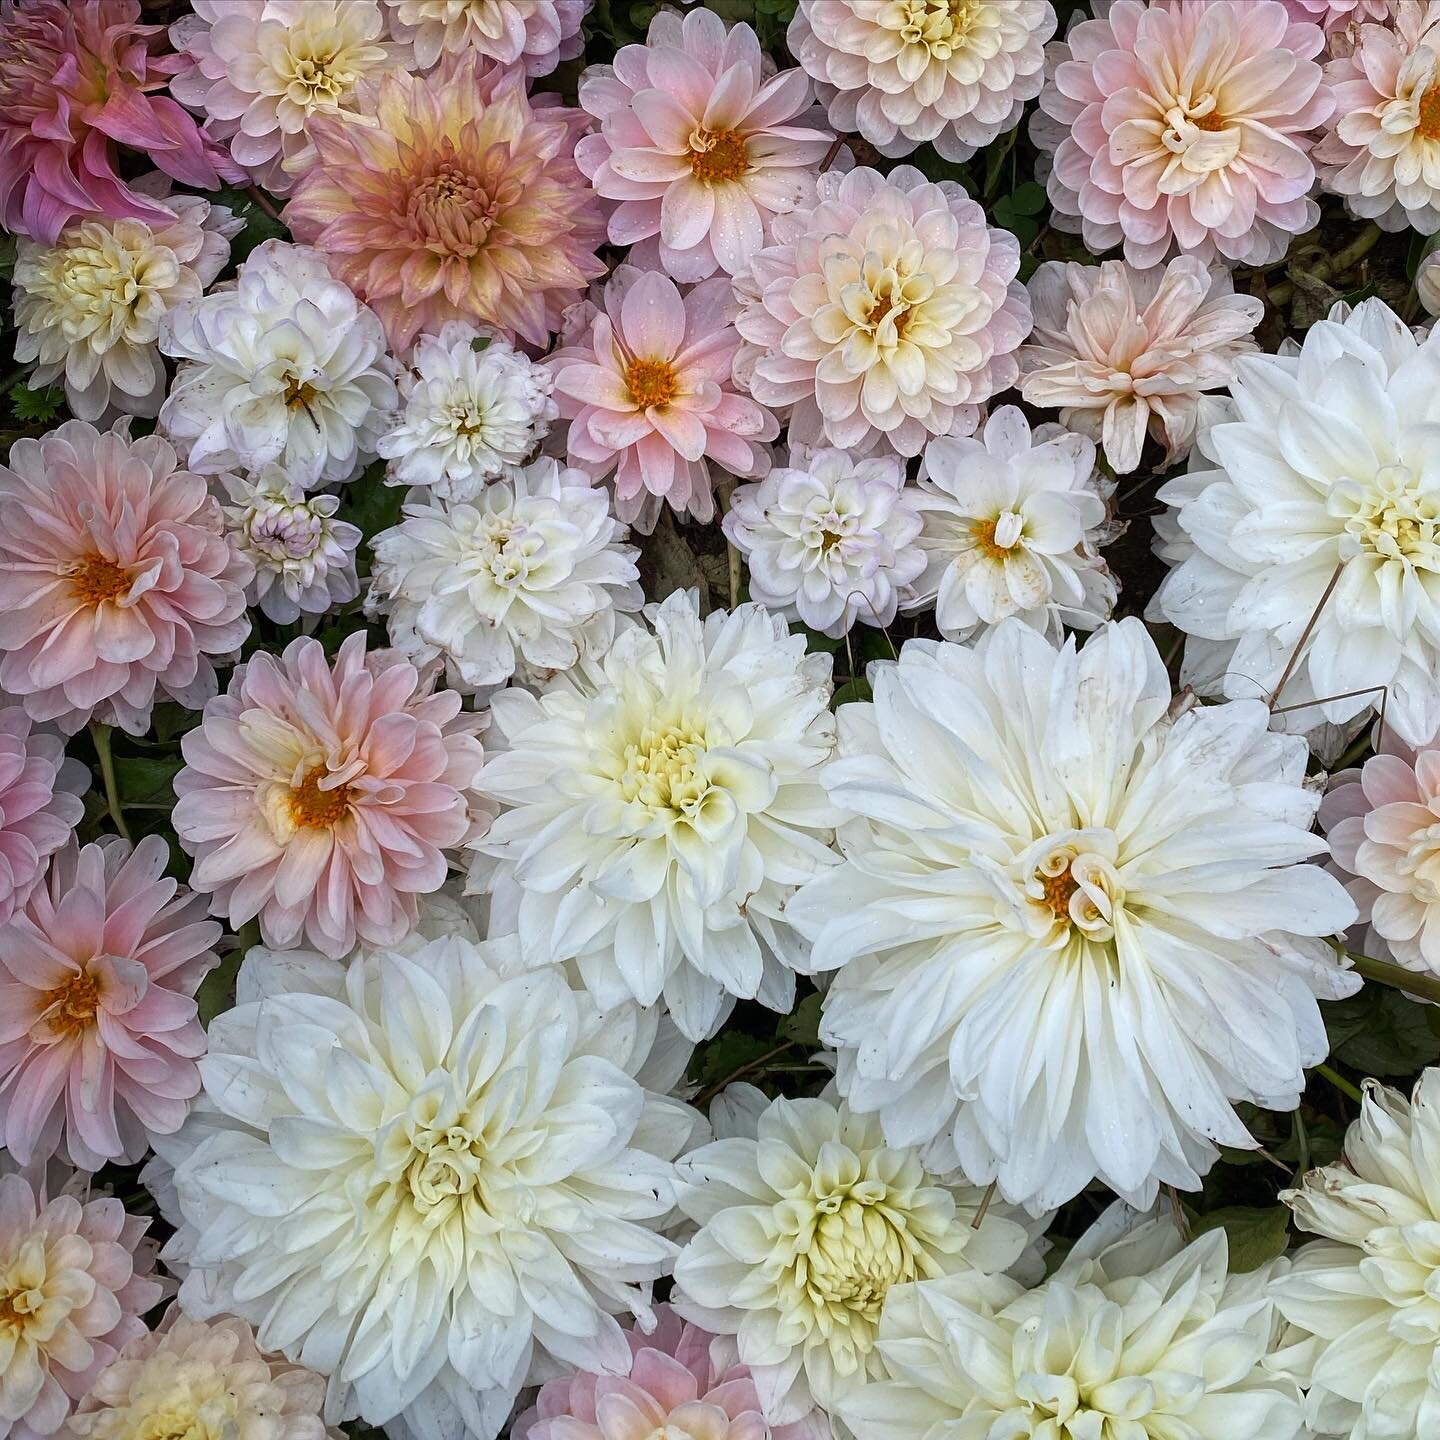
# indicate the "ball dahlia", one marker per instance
pixel 535 34
pixel 40 804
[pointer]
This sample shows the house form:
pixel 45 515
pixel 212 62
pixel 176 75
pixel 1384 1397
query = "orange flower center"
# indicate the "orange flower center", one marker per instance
pixel 1058 890
pixel 651 382
pixel 96 579
pixel 299 393
pixel 985 541
pixel 718 155
pixel 1212 122
pixel 1429 125
pixel 314 808
pixel 71 1008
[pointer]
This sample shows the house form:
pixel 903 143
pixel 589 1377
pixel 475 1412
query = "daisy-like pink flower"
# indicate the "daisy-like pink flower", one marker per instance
pixel 99 1031
pixel 40 804
pixel 77 79
pixel 537 34
pixel 449 197
pixel 649 396
pixel 697 145
pixel 1185 126
pixel 1338 14
pixel 322 798
pixel 116 580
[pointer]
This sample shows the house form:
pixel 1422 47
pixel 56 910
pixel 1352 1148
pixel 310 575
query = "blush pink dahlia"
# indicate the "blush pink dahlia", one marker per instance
pixel 1338 14
pixel 77 79
pixel 649 396
pixel 449 197
pixel 537 34
pixel 1185 126
pixel 39 804
pixel 116 579
pixel 99 1031
pixel 322 798
pixel 697 145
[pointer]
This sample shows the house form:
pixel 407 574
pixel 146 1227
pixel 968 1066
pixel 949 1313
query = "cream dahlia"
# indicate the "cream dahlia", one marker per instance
pixel 116 581
pixel 537 34
pixel 901 72
pixel 40 804
pixel 886 313
pixel 1185 126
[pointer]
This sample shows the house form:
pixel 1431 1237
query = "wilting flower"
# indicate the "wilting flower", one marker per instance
pixel 805 1228
pixel 1122 352
pixel 259 70
pixel 885 314
pixel 115 579
pixel 1025 824
pixel 77 78
pixel 77 1276
pixel 659 804
pixel 1369 1291
pixel 907 71
pixel 501 1174
pixel 1009 526
pixel 829 541
pixel 537 34
pixel 698 145
pixel 1185 126
pixel 1323 478
pixel 98 975
pixel 304 557
pixel 467 415
pixel 321 798
pixel 649 396
pixel 40 804
pixel 283 366
pixel 88 308
pixel 450 197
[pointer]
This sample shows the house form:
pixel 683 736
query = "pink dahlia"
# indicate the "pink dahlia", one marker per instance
pixel 77 79
pixel 39 804
pixel 115 579
pixel 322 798
pixel 697 145
pixel 649 396
pixel 450 197
pixel 1185 126
pixel 76 1275
pixel 1337 14
pixel 100 1030
pixel 537 34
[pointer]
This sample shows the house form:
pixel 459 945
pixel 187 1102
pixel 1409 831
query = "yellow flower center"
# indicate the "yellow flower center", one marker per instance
pixel 446 1166
pixel 1212 122
pixel 96 579
pixel 718 155
pixel 938 25
pixel 1057 890
pixel 299 394
pixel 661 770
pixel 1429 125
pixel 651 382
pixel 856 1255
pixel 318 809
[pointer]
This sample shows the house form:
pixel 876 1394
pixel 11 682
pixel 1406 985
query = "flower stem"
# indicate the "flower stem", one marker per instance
pixel 100 734
pixel 1339 1082
pixel 1412 982
pixel 1354 252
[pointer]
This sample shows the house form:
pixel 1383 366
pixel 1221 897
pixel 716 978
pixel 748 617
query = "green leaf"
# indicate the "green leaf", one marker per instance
pixel 1255 1233
pixel 728 1053
pixel 1380 1032
pixel 35 407
pixel 259 227
pixel 802 1025
pixel 372 504
pixel 217 990
pixel 851 690
pixel 145 781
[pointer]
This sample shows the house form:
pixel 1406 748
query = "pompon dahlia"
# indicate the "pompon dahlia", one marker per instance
pixel 77 79
pixel 535 34
pixel 700 147
pixel 1185 126
pixel 885 314
pixel 901 72
pixel 116 580
pixel 321 798
pixel 40 804
pixel 450 197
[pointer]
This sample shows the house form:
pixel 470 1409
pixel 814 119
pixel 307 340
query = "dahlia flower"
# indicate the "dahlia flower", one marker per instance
pixel 537 34
pixel 77 79
pixel 40 805
pixel 887 313
pixel 1024 824
pixel 659 804
pixel 1427 283
pixel 260 70
pixel 1381 152
pixel 115 579
pixel 1325 471
pixel 1009 526
pixel 1368 1292
pixel 649 397
pixel 1185 126
pixel 501 1174
pixel 804 1231
pixel 283 366
pixel 700 147
pixel 304 557
pixel 1340 14
pixel 468 415
pixel 76 1276
pixel 321 797
pixel 903 73
pixel 528 577
pixel 1124 353
pixel 450 197
pixel 829 541
pixel 1141 1337
pixel 88 308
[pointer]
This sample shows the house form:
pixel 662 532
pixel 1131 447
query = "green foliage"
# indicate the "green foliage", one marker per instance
pixel 1380 1032
pixel 1255 1233
pixel 35 407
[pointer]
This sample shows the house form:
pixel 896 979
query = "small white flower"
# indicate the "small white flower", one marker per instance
pixel 526 578
pixel 830 541
pixel 285 366
pixel 469 416
pixel 1010 523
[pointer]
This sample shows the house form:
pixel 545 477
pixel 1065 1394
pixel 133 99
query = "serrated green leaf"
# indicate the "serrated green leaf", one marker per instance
pixel 1255 1233
pixel 35 407
pixel 802 1025
pixel 726 1055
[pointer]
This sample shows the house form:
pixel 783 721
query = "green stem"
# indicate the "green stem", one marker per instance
pixel 1412 982
pixel 1339 1082
pixel 100 734
pixel 1351 255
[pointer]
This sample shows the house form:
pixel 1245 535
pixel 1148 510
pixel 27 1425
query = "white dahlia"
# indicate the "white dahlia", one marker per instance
pixel 431 1187
pixel 1069 928
pixel 528 577
pixel 1311 552
pixel 1009 526
pixel 658 805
